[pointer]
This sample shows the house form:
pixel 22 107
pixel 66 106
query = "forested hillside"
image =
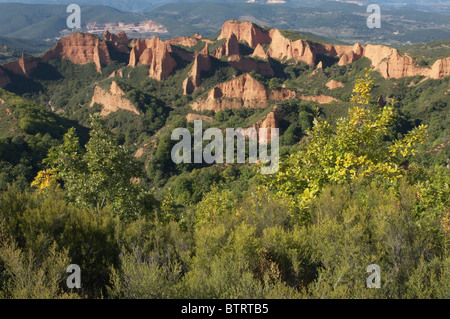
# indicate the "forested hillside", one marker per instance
pixel 87 177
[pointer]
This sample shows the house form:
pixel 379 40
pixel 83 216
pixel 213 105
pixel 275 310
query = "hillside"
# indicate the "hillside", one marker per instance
pixel 90 172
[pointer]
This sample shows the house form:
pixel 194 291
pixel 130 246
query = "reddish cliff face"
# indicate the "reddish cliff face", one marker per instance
pixel 184 41
pixel 23 66
pixel 156 54
pixel 282 48
pixel 260 53
pixel 440 69
pixel 120 41
pixel 321 99
pixel 112 101
pixel 80 48
pixel 230 47
pixel 244 31
pixel 333 84
pixel 202 63
pixel 272 120
pixel 243 91
pixel 4 78
pixel 191 117
pixel 391 64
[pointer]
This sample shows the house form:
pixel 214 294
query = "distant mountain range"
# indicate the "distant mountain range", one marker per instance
pixel 340 21
pixel 147 5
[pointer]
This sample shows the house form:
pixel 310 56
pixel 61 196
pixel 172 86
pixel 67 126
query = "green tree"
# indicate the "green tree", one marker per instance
pixel 104 174
pixel 356 148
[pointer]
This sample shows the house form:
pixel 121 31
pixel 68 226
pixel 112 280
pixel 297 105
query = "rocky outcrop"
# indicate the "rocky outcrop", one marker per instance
pixel 283 48
pixel 260 53
pixel 24 66
pixel 245 31
pixel 120 41
pixel 156 54
pixel 272 120
pixel 80 48
pixel 202 63
pixel 230 47
pixel 112 100
pixel 348 55
pixel 245 64
pixel 333 84
pixel 184 41
pixel 321 99
pixel 440 68
pixel 391 64
pixel 243 91
pixel 191 117
pixel 4 78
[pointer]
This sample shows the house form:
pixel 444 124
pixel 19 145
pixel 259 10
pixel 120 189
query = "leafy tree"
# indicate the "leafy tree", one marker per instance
pixel 356 148
pixel 103 174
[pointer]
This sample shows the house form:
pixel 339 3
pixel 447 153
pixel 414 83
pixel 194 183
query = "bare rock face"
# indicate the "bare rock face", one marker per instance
pixel 80 48
pixel 390 63
pixel 283 48
pixel 321 99
pixel 260 53
pixel 188 86
pixel 245 64
pixel 112 101
pixel 202 63
pixel 271 121
pixel 184 41
pixel 244 31
pixel 243 91
pixel 333 84
pixel 4 78
pixel 24 66
pixel 348 55
pixel 156 54
pixel 230 47
pixel 191 117
pixel 120 41
pixel 440 68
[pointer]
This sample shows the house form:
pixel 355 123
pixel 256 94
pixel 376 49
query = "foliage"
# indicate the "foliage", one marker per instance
pixel 101 175
pixel 357 148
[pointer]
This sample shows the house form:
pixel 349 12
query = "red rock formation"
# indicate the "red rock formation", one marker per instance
pixel 245 64
pixel 202 63
pixel 184 41
pixel 272 120
pixel 243 91
pixel 321 99
pixel 244 31
pixel 112 101
pixel 260 53
pixel 156 54
pixel 191 117
pixel 333 84
pixel 23 66
pixel 391 64
pixel 80 48
pixel 119 41
pixel 230 47
pixel 4 78
pixel 282 48
pixel 440 68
